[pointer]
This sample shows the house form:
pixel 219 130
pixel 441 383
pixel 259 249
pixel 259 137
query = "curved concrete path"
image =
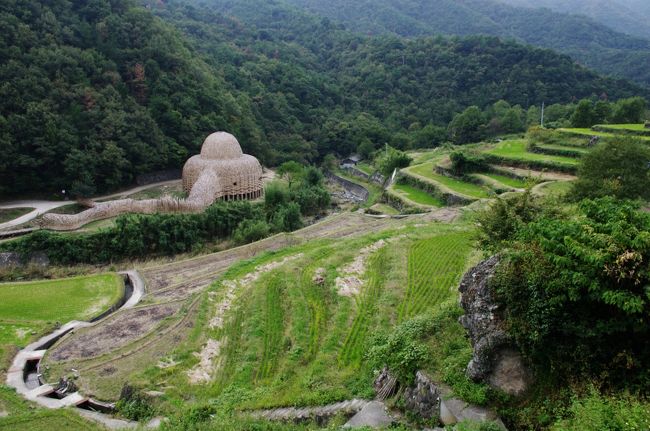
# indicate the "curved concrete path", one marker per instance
pixel 36 351
pixel 41 207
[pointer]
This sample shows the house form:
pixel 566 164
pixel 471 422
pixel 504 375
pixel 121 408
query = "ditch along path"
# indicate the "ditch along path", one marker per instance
pixel 163 305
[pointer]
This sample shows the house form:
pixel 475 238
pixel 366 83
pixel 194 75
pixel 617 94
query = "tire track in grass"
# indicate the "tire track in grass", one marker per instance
pixel 273 326
pixel 435 266
pixel 366 303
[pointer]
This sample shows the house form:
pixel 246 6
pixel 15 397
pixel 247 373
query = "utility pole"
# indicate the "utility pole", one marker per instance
pixel 542 123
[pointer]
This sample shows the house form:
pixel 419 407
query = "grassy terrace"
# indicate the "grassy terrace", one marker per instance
pixel 590 132
pixel 418 196
pixel 573 149
pixel 516 150
pixel 633 127
pixel 508 181
pixel 454 185
pixel 365 168
pixel 27 309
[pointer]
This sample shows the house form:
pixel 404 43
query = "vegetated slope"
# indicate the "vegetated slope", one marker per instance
pixel 95 94
pixel 377 88
pixel 590 42
pixel 626 16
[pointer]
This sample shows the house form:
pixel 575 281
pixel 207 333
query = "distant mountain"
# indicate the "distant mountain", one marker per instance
pixel 589 42
pixel 627 16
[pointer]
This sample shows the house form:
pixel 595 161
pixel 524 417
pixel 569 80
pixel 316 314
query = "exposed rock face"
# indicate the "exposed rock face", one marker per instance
pixel 9 259
pixel 495 360
pixel 423 398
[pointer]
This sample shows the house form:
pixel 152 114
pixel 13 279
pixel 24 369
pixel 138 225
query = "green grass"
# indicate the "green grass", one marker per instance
pixel 353 347
pixel 418 196
pixel 508 181
pixel 435 266
pixel 79 298
pixel 558 147
pixel 634 127
pixel 13 213
pixel 273 325
pixel 516 149
pixel 454 185
pixel 556 188
pixel 590 132
pixel 366 168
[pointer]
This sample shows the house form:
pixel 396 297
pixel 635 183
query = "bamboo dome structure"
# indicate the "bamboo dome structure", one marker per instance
pixel 220 171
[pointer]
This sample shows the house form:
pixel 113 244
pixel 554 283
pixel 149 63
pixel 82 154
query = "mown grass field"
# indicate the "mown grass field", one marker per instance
pixel 13 213
pixel 61 300
pixel 516 149
pixel 28 309
pixel 418 196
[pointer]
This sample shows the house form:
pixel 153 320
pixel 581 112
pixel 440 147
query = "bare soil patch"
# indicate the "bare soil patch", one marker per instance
pixel 122 329
pixel 349 283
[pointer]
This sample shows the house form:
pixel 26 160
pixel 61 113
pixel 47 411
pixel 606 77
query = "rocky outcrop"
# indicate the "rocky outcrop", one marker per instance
pixel 423 398
pixel 435 403
pixel 496 360
pixel 12 259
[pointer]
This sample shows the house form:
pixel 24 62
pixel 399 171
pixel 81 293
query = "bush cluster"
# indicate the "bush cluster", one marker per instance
pixel 575 293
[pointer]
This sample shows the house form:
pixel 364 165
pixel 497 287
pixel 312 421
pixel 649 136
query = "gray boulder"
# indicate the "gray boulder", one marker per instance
pixel 496 360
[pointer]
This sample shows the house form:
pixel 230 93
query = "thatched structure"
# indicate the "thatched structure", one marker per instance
pixel 221 171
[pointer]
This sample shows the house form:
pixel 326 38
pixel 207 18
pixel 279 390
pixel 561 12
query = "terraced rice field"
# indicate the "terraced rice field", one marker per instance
pixel 418 196
pixel 435 267
pixel 353 347
pixel 556 147
pixel 589 132
pixel 516 150
pixel 508 181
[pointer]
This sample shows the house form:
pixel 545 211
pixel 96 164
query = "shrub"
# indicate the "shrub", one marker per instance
pixel 134 405
pixel 250 231
pixel 574 291
pixel 275 195
pixel 463 162
pixel 287 218
pixel 402 351
pixel 620 169
pixel 392 159
pixel 596 412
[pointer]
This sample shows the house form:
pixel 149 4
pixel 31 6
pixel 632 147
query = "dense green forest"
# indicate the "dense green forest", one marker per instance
pixel 591 43
pixel 95 93
pixel 626 16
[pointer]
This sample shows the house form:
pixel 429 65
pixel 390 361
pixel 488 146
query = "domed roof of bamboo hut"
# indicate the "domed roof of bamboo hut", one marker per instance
pixel 220 146
pixel 222 170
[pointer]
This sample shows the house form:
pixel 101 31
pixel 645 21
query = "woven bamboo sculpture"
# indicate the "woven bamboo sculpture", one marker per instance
pixel 221 171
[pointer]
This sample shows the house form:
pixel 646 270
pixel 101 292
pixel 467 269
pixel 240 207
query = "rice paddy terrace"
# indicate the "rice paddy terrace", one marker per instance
pixel 286 321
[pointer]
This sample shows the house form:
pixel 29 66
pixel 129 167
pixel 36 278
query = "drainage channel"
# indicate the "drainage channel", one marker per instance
pixel 24 374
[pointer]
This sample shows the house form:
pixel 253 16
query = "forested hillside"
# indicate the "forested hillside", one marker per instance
pixel 591 43
pixel 626 16
pixel 95 93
